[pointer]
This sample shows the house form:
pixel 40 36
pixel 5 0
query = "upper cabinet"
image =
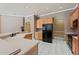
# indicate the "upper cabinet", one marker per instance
pixel 39 23
pixel 47 20
pixel 73 17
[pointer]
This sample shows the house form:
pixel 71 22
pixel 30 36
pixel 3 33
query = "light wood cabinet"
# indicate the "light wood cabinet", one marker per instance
pixel 74 46
pixel 67 38
pixel 38 35
pixel 77 45
pixel 39 23
pixel 73 16
pixel 44 21
pixel 47 20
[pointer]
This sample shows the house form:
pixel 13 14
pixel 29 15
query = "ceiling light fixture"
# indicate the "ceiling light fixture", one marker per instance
pixel 60 7
pixel 26 7
pixel 35 11
pixel 47 8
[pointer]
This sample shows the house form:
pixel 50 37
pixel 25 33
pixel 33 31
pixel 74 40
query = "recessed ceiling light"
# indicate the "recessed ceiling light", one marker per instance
pixel 35 11
pixel 47 8
pixel 60 7
pixel 26 7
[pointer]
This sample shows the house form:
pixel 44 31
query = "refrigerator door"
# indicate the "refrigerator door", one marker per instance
pixel 47 33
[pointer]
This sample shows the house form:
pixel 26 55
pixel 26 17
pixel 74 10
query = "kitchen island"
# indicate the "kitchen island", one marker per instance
pixel 18 45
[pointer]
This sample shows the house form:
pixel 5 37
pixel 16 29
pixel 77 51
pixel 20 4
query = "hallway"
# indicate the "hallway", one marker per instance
pixel 58 47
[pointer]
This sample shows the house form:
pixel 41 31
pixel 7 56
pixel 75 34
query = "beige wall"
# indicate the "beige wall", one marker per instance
pixel 58 27
pixel 11 24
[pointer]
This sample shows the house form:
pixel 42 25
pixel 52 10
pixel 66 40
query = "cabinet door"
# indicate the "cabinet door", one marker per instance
pixel 40 35
pixel 41 23
pixel 75 14
pixel 37 23
pixel 67 38
pixel 74 46
pixel 77 47
pixel 71 21
pixel 36 36
pixel 48 20
pixel 44 21
pixel 73 17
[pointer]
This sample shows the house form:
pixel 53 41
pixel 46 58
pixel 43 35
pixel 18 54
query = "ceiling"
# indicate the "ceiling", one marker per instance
pixel 24 9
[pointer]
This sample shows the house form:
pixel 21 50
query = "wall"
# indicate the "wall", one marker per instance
pixel 58 25
pixel 58 28
pixel 11 24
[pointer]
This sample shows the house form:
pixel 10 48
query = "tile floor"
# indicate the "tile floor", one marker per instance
pixel 58 47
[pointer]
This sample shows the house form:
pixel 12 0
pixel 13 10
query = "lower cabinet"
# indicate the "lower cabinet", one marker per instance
pixel 74 46
pixel 38 35
pixel 66 38
pixel 77 50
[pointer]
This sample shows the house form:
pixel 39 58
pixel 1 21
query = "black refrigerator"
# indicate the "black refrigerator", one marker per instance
pixel 47 31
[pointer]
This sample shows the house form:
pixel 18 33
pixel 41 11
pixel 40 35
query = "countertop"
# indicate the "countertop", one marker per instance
pixel 75 37
pixel 11 44
pixel 71 33
pixel 7 34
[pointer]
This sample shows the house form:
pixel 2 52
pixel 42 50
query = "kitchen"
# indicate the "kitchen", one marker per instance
pixel 53 33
